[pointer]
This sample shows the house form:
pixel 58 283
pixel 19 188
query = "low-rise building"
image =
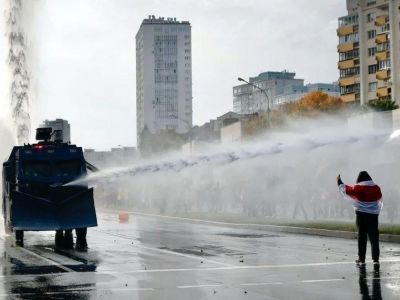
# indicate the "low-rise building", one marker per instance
pixel 293 93
pixel 276 88
pixel 248 99
pixel 116 157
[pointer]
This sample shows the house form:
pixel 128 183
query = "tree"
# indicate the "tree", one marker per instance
pixel 383 104
pixel 313 104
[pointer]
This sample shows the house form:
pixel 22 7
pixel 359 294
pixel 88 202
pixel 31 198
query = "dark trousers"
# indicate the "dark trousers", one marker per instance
pixel 367 225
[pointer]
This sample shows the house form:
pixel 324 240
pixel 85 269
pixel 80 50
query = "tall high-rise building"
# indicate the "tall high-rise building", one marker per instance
pixel 163 76
pixel 369 50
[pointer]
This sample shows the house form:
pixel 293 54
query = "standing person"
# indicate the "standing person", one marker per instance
pixel 366 198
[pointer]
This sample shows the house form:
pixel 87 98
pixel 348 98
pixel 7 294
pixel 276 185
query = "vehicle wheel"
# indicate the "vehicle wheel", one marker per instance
pixel 19 238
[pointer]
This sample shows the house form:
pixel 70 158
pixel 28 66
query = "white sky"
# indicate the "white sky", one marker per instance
pixel 84 55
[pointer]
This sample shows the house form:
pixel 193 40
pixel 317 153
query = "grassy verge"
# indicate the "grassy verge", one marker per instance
pixel 344 226
pixel 327 225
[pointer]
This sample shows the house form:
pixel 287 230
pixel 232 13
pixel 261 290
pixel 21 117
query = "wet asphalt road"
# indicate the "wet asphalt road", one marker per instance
pixel 151 257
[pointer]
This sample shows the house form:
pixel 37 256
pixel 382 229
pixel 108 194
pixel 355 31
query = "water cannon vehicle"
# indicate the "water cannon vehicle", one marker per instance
pixel 35 194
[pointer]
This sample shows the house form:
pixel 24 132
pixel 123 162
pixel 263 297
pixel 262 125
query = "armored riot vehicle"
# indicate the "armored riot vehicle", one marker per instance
pixel 35 194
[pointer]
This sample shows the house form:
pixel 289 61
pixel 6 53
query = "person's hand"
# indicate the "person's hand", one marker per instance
pixel 339 180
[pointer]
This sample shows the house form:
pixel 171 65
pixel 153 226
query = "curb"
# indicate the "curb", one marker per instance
pixel 389 238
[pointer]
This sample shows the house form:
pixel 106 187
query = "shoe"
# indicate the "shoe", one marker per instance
pixel 81 248
pixel 360 262
pixel 376 262
pixel 81 245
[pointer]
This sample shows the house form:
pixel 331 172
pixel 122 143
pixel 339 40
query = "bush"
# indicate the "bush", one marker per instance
pixel 383 104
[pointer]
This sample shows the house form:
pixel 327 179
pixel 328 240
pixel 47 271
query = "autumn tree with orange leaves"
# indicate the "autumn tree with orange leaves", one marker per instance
pixel 313 104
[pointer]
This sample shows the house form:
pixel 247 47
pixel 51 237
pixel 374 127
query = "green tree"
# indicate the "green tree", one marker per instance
pixel 383 104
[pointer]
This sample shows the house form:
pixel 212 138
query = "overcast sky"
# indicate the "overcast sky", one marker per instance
pixel 84 55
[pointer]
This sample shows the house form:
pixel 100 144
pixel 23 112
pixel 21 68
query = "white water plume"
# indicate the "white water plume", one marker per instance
pixel 268 149
pixel 287 175
pixel 20 83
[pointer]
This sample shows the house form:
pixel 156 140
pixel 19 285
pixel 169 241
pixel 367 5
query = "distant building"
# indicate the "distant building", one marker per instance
pixel 236 131
pixel 163 76
pixel 248 99
pixel 295 93
pixel 117 157
pixel 232 133
pixel 200 137
pixel 369 51
pixel 59 125
pixel 210 131
pixel 281 87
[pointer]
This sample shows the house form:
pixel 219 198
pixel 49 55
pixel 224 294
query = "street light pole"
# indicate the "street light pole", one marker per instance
pixel 266 95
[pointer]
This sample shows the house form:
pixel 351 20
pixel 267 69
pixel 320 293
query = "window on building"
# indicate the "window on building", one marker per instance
pixel 385 28
pixel 371 34
pixel 348 20
pixel 371 51
pixel 372 86
pixel 370 17
pixel 352 37
pixel 349 72
pixel 348 55
pixel 383 47
pixel 354 88
pixel 384 64
pixel 372 69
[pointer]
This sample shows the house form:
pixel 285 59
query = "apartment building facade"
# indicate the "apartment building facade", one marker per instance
pixel 293 94
pixel 248 99
pixel 369 51
pixel 163 76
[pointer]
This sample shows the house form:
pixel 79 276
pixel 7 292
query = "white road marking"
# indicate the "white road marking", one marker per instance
pixel 52 262
pixel 199 258
pixel 321 280
pixel 129 289
pixel 197 286
pixel 261 283
pixel 233 268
